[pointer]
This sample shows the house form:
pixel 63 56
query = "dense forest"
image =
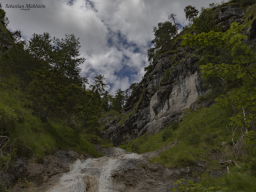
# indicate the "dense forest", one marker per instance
pixel 46 105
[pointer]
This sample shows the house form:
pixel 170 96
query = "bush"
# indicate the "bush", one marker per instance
pixel 135 148
pixel 183 159
pixel 250 143
pixel 209 139
pixel 195 187
pixel 194 139
pixel 205 22
pixel 253 167
pixel 166 76
pixel 7 123
pixel 175 125
pixel 167 134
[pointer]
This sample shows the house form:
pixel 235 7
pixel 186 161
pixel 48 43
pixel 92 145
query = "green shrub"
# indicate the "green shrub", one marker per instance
pixel 205 22
pixel 166 134
pixel 194 139
pixel 7 122
pixel 253 167
pixel 166 76
pixel 175 125
pixel 234 181
pixel 135 147
pixel 250 143
pixel 20 119
pixel 183 159
pixel 209 139
pixel 195 187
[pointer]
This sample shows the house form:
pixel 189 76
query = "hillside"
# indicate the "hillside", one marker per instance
pixel 173 83
pixel 191 118
pixel 173 116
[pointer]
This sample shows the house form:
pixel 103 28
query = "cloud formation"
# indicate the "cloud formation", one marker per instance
pixel 114 34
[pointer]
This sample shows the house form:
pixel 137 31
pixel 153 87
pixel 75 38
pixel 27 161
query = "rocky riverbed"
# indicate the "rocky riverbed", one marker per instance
pixel 117 171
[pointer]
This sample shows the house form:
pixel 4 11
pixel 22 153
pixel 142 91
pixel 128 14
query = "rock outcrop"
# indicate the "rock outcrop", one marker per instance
pixel 161 97
pixel 122 171
pixel 40 175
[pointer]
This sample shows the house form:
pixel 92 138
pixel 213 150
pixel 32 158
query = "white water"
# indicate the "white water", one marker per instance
pixel 99 169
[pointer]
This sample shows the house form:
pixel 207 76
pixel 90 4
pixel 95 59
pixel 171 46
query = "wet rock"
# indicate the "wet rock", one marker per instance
pixel 122 171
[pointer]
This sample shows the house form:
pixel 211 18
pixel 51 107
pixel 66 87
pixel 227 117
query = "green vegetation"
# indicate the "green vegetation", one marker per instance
pixel 131 113
pixel 166 76
pixel 237 180
pixel 199 134
pixel 227 63
pixel 197 130
pixel 32 137
pixel 194 187
pixel 205 22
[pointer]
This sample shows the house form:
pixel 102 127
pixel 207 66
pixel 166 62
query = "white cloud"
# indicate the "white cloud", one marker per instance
pixel 133 20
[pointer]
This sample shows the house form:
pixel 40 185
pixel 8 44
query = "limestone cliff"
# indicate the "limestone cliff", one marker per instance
pixel 174 84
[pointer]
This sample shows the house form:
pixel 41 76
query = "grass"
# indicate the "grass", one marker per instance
pixel 111 113
pixel 145 143
pixel 32 137
pixel 235 181
pixel 196 135
pixel 193 139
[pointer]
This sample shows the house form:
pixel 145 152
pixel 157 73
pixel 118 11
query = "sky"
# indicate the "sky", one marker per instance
pixel 114 34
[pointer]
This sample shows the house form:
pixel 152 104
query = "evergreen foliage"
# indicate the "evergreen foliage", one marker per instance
pixel 205 22
pixel 190 12
pixel 163 39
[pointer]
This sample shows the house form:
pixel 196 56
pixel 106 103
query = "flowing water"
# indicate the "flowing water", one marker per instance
pixel 92 174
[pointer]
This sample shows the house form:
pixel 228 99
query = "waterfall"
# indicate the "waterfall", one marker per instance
pixel 73 181
pixel 92 173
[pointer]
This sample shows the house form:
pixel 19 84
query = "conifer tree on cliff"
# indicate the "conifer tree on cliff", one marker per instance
pixel 191 12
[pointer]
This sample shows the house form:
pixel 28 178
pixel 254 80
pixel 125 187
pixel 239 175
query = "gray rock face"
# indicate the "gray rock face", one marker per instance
pixel 162 100
pixel 226 12
pixel 38 174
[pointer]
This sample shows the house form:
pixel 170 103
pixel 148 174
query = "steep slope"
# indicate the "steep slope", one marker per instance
pixel 172 86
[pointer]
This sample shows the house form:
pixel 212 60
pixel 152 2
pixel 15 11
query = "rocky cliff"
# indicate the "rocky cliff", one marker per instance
pixel 172 86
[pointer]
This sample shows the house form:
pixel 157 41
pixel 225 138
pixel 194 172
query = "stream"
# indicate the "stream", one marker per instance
pixel 93 175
